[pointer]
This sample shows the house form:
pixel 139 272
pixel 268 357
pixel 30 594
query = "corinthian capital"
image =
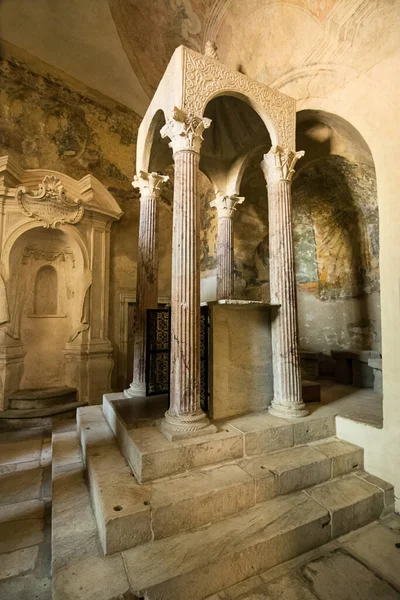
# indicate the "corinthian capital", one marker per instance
pixel 185 131
pixel 278 164
pixel 149 184
pixel 226 205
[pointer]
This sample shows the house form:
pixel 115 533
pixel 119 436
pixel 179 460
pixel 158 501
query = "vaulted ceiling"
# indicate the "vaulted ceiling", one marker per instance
pixel 121 47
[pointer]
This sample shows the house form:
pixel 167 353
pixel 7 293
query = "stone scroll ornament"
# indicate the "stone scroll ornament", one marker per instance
pixel 50 204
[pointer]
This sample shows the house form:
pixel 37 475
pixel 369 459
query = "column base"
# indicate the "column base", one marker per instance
pixel 135 389
pixel 178 427
pixel 288 410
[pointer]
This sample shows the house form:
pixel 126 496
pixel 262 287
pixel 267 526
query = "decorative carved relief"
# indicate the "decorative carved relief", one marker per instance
pixel 205 78
pixel 185 130
pixel 211 50
pixel 48 255
pixel 279 163
pixel 50 204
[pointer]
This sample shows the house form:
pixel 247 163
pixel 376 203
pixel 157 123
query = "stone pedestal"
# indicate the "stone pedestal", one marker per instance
pixel 149 185
pixel 278 167
pixel 185 417
pixel 226 207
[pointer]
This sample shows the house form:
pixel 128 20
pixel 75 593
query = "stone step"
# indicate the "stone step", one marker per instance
pixel 42 398
pixel 210 559
pixel 129 514
pixel 151 456
pixel 197 563
pixel 36 413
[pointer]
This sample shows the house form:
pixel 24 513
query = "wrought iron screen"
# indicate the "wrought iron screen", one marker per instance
pixel 158 343
pixel 157 351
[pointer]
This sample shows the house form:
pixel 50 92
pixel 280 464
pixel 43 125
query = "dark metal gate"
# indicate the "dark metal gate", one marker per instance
pixel 158 342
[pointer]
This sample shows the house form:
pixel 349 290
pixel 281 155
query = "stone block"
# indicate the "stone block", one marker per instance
pixel 313 428
pixel 151 456
pixel 18 562
pixel 351 502
pixel 263 433
pixel 287 471
pixel 363 375
pixel 20 486
pixel 375 546
pixel 345 457
pixel 20 534
pixel 20 452
pixel 91 578
pixel 387 488
pixel 194 499
pixel 341 576
pixel 30 509
pixel 121 505
pixel 311 391
pixel 208 560
pixel 70 454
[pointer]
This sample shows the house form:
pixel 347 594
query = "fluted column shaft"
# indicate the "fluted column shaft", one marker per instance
pixel 185 417
pixel 278 166
pixel 185 293
pixel 147 273
pixel 226 206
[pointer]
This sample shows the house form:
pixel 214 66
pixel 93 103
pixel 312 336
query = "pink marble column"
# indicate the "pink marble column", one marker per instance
pixel 149 185
pixel 226 207
pixel 278 167
pixel 185 417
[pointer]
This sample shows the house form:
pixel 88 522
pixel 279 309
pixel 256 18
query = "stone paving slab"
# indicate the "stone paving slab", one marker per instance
pixel 18 562
pixel 20 486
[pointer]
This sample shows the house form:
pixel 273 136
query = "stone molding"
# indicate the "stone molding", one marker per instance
pixel 278 164
pixel 226 205
pixel 149 184
pixel 185 130
pixel 50 204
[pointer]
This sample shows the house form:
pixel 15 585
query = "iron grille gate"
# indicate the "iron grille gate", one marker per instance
pixel 158 343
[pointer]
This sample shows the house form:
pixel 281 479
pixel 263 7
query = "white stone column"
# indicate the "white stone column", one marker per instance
pixel 226 207
pixel 185 417
pixel 278 167
pixel 149 185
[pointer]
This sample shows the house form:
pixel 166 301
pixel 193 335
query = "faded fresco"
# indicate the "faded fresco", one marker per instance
pixel 336 242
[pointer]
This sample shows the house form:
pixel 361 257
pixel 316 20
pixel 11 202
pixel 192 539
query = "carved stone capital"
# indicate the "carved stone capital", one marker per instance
pixel 185 131
pixel 226 205
pixel 149 184
pixel 278 164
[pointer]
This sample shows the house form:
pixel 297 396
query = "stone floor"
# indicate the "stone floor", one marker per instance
pixel 362 565
pixel 25 514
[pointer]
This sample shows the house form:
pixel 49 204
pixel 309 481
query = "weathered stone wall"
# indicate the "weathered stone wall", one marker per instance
pixel 47 123
pixel 336 237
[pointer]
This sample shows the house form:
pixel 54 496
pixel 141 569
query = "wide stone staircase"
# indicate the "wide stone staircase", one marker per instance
pixel 211 511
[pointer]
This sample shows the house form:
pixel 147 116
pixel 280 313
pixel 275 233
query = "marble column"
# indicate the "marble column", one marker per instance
pixel 226 207
pixel 278 167
pixel 185 417
pixel 149 185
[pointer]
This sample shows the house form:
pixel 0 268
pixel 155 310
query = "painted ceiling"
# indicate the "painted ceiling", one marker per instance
pixel 122 47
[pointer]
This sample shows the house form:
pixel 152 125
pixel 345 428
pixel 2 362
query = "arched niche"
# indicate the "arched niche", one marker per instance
pixel 336 238
pixel 51 221
pixel 46 292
